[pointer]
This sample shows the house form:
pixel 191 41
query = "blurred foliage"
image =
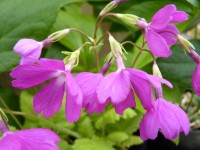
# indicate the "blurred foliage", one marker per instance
pixel 37 19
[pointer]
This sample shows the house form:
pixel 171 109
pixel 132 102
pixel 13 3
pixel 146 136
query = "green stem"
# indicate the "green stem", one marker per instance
pixel 97 58
pixel 140 48
pixel 57 127
pixel 138 55
pixel 85 35
pixel 98 23
pixel 13 116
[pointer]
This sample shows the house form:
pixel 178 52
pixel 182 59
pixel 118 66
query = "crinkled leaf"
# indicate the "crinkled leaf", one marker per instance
pixel 95 143
pixel 118 136
pixel 132 140
pixel 110 117
pixel 85 127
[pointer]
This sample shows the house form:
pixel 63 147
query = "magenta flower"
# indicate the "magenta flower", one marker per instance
pixel 88 83
pixel 196 74
pixel 164 116
pixel 49 99
pixel 159 32
pixel 29 49
pixel 32 139
pixel 117 88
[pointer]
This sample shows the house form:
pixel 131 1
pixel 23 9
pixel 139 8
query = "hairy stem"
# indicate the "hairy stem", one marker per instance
pixel 13 116
pixel 53 125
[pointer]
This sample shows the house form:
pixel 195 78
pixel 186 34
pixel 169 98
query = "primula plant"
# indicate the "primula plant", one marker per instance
pixel 84 88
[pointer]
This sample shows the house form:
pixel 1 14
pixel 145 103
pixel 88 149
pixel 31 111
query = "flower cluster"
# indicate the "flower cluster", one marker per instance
pixel 160 33
pixel 93 91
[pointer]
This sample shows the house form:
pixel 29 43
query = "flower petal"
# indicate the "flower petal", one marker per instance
pixel 29 75
pixel 183 119
pixel 167 113
pixel 156 81
pixel 49 99
pixel 88 83
pixel 40 139
pixel 28 48
pixel 162 17
pixel 93 105
pixel 196 80
pixel 149 126
pixel 169 34
pixel 157 44
pixel 10 142
pixel 143 92
pixel 115 86
pixel 128 103
pixel 74 99
pixel 179 16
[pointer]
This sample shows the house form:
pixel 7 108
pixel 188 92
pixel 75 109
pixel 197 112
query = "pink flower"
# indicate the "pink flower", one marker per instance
pixel 49 99
pixel 164 116
pixel 29 49
pixel 159 32
pixel 196 74
pixel 117 88
pixel 32 139
pixel 88 83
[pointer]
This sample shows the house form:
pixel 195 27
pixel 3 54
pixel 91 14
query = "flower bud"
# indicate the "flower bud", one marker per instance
pixel 108 8
pixel 194 56
pixel 29 49
pixel 185 43
pixel 116 47
pixel 72 59
pixel 128 19
pixel 156 70
pixel 56 36
pixel 117 52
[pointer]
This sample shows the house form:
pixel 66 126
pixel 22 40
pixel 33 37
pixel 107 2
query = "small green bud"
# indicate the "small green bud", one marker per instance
pixel 56 36
pixel 72 59
pixel 156 70
pixel 185 43
pixel 108 8
pixel 116 47
pixel 128 19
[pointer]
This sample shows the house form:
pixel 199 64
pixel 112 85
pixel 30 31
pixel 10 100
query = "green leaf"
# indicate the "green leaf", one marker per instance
pixel 64 145
pixel 118 136
pixel 176 140
pixel 132 140
pixel 128 125
pixel 8 60
pixel 25 19
pixel 95 143
pixel 110 117
pixel 85 127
